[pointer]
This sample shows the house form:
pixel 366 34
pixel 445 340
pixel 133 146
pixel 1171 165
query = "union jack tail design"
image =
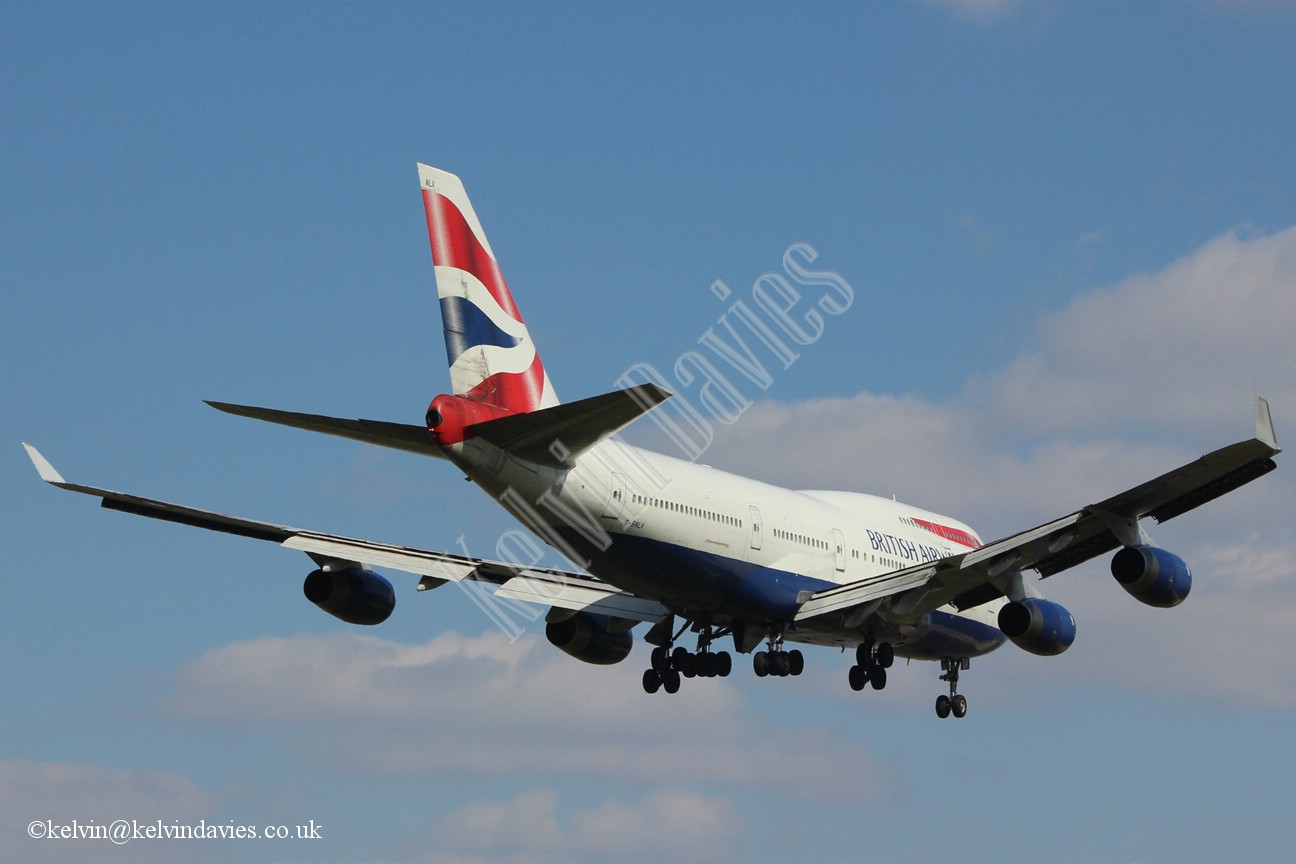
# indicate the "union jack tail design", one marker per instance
pixel 491 355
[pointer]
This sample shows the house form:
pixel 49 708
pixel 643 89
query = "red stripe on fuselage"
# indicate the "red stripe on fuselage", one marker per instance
pixel 455 245
pixel 958 535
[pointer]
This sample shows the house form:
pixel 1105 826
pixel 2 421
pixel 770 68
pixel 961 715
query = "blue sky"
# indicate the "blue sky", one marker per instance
pixel 1071 233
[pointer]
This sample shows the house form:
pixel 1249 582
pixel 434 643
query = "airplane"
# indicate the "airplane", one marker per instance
pixel 688 549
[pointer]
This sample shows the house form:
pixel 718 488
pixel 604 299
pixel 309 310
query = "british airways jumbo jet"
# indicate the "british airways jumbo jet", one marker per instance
pixel 686 549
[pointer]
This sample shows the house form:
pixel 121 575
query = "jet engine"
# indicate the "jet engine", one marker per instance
pixel 599 639
pixel 1038 626
pixel 1153 575
pixel 355 595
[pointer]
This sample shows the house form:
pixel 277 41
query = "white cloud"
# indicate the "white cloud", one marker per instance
pixel 488 707
pixel 666 824
pixel 92 797
pixel 1177 349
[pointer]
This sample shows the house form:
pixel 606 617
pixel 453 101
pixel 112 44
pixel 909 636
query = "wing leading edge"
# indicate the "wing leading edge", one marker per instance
pixel 564 589
pixel 971 578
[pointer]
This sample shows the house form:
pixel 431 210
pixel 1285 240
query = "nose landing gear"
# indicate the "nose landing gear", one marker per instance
pixel 954 703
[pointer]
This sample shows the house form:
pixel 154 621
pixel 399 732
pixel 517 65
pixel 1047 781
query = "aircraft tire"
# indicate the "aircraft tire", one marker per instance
pixel 660 659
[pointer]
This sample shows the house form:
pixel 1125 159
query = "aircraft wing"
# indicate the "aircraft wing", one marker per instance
pixel 971 578
pixel 565 589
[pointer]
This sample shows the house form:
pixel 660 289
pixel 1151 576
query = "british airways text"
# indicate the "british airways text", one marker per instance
pixel 902 548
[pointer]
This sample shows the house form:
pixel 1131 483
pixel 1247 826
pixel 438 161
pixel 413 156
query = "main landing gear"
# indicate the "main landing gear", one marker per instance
pixel 669 666
pixel 776 662
pixel 954 703
pixel 871 665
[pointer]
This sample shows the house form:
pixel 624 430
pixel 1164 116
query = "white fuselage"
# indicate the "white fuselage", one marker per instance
pixel 719 548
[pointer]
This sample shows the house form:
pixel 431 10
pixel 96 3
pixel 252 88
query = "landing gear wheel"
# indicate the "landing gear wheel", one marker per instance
pixel 671 681
pixel 858 678
pixel 953 703
pixel 877 678
pixel 782 663
pixel 869 655
pixel 652 681
pixel 689 666
pixel 724 664
pixel 660 659
pixel 796 662
pixel 760 664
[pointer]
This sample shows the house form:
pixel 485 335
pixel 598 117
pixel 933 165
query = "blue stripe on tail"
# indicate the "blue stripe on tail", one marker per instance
pixel 466 327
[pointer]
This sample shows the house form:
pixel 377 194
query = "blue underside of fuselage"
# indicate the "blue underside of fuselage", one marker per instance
pixel 698 581
pixel 953 636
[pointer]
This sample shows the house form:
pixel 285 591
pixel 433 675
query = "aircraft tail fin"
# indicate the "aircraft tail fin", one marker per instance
pixel 492 358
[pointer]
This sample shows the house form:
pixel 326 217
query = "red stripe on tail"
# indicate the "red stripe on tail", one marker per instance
pixel 455 245
pixel 516 391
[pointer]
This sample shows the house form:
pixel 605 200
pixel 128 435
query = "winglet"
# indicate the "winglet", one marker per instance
pixel 1264 425
pixel 43 467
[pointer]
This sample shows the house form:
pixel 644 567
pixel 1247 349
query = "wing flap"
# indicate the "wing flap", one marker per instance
pixel 587 597
pixel 865 591
pixel 439 565
pixel 549 586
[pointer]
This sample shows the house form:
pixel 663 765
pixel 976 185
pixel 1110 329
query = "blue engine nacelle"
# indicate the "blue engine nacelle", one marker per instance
pixel 590 638
pixel 1153 575
pixel 354 595
pixel 1038 626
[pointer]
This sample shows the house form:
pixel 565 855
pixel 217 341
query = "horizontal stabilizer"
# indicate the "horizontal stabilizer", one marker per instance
pixel 400 436
pixel 556 436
